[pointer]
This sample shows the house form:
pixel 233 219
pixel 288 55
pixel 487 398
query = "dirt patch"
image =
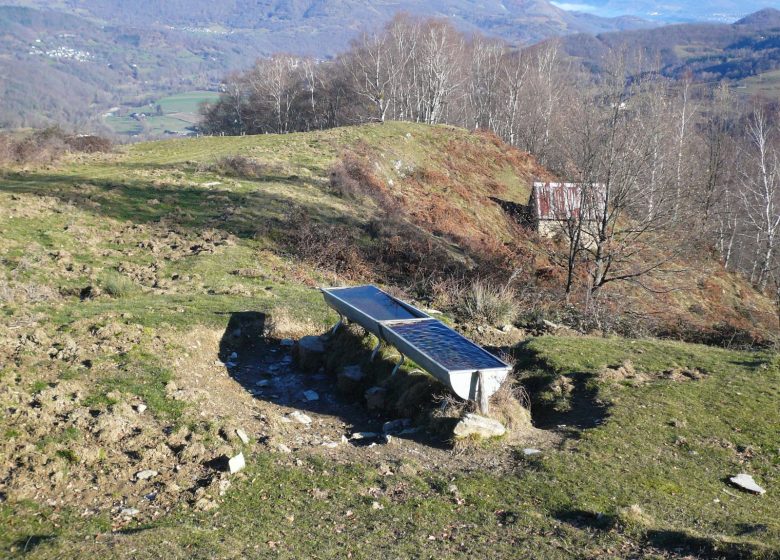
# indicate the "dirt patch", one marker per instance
pixel 68 446
pixel 628 373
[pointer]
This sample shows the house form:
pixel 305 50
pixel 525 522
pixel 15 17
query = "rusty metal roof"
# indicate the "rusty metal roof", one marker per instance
pixel 562 201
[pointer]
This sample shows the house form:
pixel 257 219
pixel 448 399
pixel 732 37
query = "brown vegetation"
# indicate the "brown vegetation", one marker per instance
pixel 47 146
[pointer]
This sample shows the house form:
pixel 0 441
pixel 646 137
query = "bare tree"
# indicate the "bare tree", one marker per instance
pixel 484 81
pixel 760 182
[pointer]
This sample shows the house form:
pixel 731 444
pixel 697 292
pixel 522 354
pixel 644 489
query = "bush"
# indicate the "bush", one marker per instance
pixel 326 246
pixel 47 146
pixel 241 167
pixel 351 177
pixel 88 144
pixel 485 302
pixel 117 285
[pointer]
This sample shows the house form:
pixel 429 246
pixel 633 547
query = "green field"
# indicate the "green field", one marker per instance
pixel 765 85
pixel 178 113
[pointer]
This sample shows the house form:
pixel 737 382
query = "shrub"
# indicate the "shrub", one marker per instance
pixel 351 177
pixel 47 146
pixel 331 247
pixel 117 285
pixel 238 166
pixel 485 302
pixel 89 144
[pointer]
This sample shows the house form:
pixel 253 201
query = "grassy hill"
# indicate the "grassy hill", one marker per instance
pixel 129 279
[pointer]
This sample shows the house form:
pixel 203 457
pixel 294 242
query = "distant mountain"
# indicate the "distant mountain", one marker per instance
pixel 725 11
pixel 70 60
pixel 323 27
pixel 746 52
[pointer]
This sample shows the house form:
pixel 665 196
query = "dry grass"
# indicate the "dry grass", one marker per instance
pixel 283 324
pixel 482 301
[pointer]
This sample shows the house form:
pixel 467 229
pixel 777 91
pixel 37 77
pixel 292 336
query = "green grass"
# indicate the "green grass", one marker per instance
pixel 178 113
pixel 766 84
pixel 665 447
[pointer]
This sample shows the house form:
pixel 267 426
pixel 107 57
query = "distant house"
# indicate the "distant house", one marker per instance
pixel 552 205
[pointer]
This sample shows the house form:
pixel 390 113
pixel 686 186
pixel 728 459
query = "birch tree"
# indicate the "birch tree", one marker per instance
pixel 760 184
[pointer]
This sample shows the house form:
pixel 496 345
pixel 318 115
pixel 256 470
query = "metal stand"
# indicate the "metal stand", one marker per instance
pixel 375 351
pixel 337 325
pixel 398 365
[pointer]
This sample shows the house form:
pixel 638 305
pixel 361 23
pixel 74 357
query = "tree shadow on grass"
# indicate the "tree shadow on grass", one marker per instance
pixel 244 214
pixel 671 541
pixel 29 542
pixel 266 369
pixel 578 408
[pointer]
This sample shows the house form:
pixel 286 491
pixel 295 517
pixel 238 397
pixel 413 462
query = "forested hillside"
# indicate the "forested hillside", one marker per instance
pixel 69 63
pixel 709 52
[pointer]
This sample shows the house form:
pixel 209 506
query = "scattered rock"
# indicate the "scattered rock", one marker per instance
pixel 363 435
pixel 224 485
pixel 349 379
pixel 375 398
pixel 140 408
pixel 745 482
pixel 204 504
pixel 310 353
pixel 283 448
pixel 311 396
pixel 129 512
pixel 146 475
pixel 530 452
pixel 236 464
pixel 479 426
pixel 299 416
pixel 242 436
pixel 396 426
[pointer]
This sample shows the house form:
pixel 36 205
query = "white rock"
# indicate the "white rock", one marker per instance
pixel 140 408
pixel 475 425
pixel 311 396
pixel 237 463
pixel 283 448
pixel 299 416
pixel 224 485
pixel 130 512
pixel 528 452
pixel 364 435
pixel 242 436
pixel 146 475
pixel 746 482
pixel 331 444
